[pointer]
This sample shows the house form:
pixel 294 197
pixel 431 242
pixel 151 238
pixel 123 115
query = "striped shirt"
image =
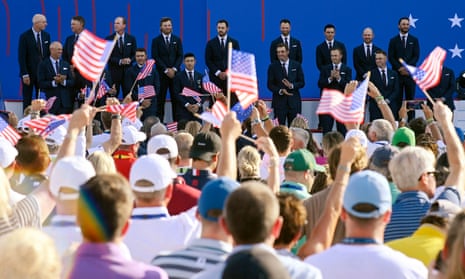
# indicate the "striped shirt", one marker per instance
pixel 201 254
pixel 25 213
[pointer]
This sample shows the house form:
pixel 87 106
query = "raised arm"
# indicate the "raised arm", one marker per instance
pixel 230 130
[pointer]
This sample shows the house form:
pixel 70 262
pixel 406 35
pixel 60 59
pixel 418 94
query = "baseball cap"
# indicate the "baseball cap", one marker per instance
pixel 301 160
pixel 153 168
pixel 70 172
pixel 362 137
pixel 163 141
pixel 8 153
pixel 254 263
pixel 132 136
pixel 382 155
pixel 205 145
pixel 367 187
pixel 405 135
pixel 213 196
pixel 444 208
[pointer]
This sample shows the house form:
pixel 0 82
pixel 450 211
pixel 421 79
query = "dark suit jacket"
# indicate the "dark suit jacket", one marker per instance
pixel 151 79
pixel 68 51
pixel 362 64
pixel 28 54
pixel 181 80
pixel 216 57
pixel 45 75
pixel 129 51
pixel 446 88
pixel 295 76
pixel 295 50
pixel 345 73
pixel 323 55
pixel 164 57
pixel 396 50
pixel 390 92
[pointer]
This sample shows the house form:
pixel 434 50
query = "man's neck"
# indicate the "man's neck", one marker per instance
pixel 184 163
pixel 140 203
pixel 201 165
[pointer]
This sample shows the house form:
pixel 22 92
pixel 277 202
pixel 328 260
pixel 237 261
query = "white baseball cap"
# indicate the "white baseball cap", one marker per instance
pixel 163 141
pixel 132 136
pixel 153 168
pixel 8 153
pixel 70 172
pixel 362 137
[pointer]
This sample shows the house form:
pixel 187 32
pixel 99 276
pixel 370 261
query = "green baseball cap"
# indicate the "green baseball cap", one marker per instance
pixel 301 160
pixel 405 135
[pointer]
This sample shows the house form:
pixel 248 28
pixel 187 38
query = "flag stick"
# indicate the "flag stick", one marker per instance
pixel 228 79
pixel 100 82
pixel 424 91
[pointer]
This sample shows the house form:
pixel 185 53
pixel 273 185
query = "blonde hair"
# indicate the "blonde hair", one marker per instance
pixel 455 268
pixel 193 127
pixel 102 162
pixel 29 253
pixel 299 122
pixel 248 161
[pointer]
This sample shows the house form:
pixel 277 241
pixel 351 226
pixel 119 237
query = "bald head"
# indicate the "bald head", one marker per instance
pixel 55 50
pixel 368 35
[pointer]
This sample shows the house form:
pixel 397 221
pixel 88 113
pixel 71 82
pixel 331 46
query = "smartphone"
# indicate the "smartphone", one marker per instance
pixel 414 104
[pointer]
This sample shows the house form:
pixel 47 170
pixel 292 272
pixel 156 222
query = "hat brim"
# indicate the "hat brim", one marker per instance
pixel 202 155
pixel 319 168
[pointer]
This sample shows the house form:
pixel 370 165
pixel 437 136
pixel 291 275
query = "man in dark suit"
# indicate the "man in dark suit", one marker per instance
pixel 285 78
pixel 407 47
pixel 33 47
pixel 190 78
pixel 167 52
pixel 149 105
pixel 334 76
pixel 364 54
pixel 387 82
pixel 293 44
pixel 323 56
pixel 55 78
pixel 122 56
pixel 445 89
pixel 77 26
pixel 216 54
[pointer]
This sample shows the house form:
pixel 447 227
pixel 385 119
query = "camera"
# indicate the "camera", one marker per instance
pixel 414 104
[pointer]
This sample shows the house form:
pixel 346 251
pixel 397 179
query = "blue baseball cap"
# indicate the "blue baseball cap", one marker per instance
pixel 367 187
pixel 214 195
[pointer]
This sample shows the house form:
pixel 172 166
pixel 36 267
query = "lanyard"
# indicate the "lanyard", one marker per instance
pixel 359 240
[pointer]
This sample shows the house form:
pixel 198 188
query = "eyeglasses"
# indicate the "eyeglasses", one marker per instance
pixel 430 173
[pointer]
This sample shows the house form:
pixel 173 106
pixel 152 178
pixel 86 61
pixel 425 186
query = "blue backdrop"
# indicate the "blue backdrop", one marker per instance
pixel 254 23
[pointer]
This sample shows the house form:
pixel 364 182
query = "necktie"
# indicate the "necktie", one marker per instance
pixel 283 68
pixel 368 51
pixel 191 78
pixel 286 42
pixel 76 37
pixel 330 45
pixel 39 46
pixel 383 76
pixel 335 67
pixel 121 43
pixel 57 67
pixel 222 43
pixel 404 41
pixel 167 42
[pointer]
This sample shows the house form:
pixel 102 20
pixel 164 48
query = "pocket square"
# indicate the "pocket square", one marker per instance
pixel 392 77
pixel 46 42
pixel 65 69
pixel 294 46
pixel 174 43
pixel 293 70
pixel 410 43
pixel 342 73
pixel 129 44
pixel 447 75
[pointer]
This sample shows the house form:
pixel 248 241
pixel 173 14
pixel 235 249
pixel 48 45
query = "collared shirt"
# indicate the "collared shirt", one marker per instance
pixel 158 232
pixel 296 268
pixel 200 255
pixel 64 231
pixel 297 189
pixel 25 213
pixel 423 245
pixel 198 178
pixel 123 161
pixel 407 212
pixel 108 260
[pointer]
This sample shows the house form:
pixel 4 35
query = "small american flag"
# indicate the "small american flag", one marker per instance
pixel 102 89
pixel 88 95
pixel 219 110
pixel 191 93
pixel 146 70
pixel 49 103
pixel 52 125
pixel 91 54
pixel 128 110
pixel 208 117
pixel 302 117
pixel 172 127
pixel 40 124
pixel 344 108
pixel 429 73
pixel 146 92
pixel 244 77
pixel 8 132
pixel 275 122
pixel 209 86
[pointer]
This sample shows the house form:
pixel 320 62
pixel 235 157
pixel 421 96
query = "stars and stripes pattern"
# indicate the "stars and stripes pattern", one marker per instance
pixel 39 125
pixel 244 77
pixel 172 127
pixel 128 110
pixel 302 117
pixel 344 108
pixel 52 125
pixel 49 103
pixel 146 70
pixel 102 89
pixel 429 73
pixel 275 122
pixel 146 92
pixel 209 86
pixel 8 132
pixel 216 115
pixel 191 93
pixel 91 54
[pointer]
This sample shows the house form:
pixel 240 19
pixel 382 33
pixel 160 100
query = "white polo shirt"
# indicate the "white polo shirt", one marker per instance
pixel 64 231
pixel 153 230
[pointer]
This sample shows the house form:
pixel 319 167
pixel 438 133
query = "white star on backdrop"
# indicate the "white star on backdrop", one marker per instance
pixel 455 21
pixel 412 20
pixel 456 51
